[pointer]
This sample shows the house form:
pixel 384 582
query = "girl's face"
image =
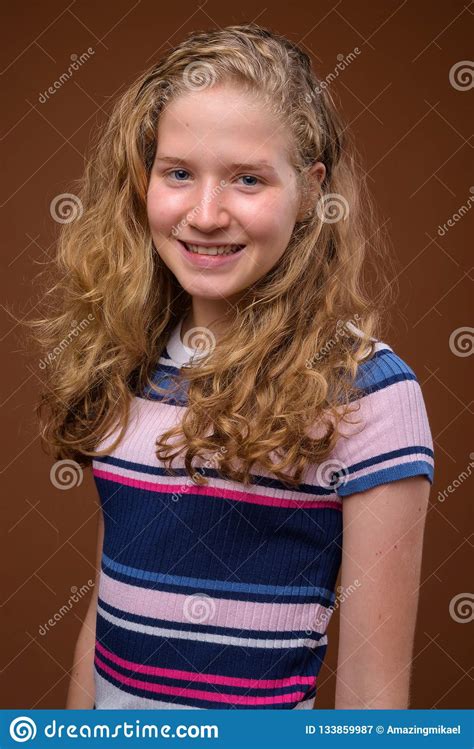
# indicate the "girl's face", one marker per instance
pixel 208 185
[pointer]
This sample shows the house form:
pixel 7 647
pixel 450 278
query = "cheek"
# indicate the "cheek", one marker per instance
pixel 162 208
pixel 270 222
pixel 152 203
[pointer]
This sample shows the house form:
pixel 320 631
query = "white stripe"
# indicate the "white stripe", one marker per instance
pixel 398 462
pixel 305 705
pixel 244 642
pixel 108 697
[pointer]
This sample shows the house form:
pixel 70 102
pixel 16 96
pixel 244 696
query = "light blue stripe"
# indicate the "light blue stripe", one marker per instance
pixel 159 577
pixel 385 476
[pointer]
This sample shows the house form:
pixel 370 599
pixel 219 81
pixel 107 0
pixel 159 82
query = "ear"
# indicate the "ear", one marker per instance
pixel 316 175
pixel 318 171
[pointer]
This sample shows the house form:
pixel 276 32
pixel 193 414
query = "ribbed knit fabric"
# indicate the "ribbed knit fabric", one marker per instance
pixel 220 596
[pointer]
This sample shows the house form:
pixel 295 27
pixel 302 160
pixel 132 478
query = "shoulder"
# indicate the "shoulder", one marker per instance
pixel 383 369
pixel 387 436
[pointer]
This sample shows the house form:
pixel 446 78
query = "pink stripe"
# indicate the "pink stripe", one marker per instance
pixel 239 699
pixel 219 493
pixel 230 681
pixel 172 607
pixel 393 418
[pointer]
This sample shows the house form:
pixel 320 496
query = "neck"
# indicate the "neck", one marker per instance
pixel 213 314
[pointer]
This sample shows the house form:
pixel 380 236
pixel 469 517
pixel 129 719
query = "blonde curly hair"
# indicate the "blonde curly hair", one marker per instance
pixel 288 361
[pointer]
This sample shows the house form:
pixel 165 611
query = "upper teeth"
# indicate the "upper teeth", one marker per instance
pixel 217 250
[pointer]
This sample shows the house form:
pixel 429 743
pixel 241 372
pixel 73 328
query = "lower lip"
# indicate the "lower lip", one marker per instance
pixel 207 261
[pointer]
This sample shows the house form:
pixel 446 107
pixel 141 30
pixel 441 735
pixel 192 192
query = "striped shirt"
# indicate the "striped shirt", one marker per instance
pixel 220 596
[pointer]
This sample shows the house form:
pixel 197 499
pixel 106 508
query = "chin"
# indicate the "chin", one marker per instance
pixel 216 292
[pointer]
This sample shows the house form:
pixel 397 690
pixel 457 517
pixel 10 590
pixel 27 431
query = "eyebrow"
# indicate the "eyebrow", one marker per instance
pixel 261 164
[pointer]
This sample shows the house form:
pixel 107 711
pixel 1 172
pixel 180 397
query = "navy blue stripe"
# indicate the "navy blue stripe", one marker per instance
pixel 383 369
pixel 252 660
pixel 188 683
pixel 386 475
pixel 203 533
pixel 189 700
pixel 211 472
pixel 412 450
pixel 225 585
pixel 386 382
pixel 218 588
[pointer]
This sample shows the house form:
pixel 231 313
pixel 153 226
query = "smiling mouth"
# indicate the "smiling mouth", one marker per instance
pixel 228 249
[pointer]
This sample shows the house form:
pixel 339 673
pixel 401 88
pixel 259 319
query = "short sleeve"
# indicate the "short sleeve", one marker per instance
pixel 389 437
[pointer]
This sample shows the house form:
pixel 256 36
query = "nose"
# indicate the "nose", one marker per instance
pixel 208 212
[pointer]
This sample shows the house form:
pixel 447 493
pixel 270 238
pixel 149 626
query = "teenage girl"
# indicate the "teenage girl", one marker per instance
pixel 251 435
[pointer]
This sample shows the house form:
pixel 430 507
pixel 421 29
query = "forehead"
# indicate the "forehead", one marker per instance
pixel 224 121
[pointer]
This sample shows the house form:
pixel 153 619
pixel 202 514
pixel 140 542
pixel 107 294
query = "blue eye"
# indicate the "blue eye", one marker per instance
pixel 175 171
pixel 181 177
pixel 246 176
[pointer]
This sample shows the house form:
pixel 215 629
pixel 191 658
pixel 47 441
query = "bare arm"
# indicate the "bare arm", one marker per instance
pixel 382 549
pixel 81 692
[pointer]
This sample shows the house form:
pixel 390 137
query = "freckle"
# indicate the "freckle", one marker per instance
pixel 395 545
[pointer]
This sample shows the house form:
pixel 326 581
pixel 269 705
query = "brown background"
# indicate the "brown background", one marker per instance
pixel 412 127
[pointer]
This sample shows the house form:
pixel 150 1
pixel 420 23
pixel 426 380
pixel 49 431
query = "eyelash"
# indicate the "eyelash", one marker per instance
pixel 167 174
